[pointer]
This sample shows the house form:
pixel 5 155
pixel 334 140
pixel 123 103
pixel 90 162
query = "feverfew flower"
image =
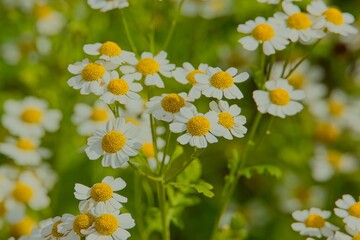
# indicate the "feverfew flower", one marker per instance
pixel 200 129
pixel 101 195
pixel 354 234
pixel 217 83
pixel 21 228
pixel 50 231
pixel 106 5
pixel 313 223
pixel 49 22
pixel 279 98
pixel 230 119
pixel 349 210
pixel 111 52
pixel 331 18
pixel 30 117
pixel 150 66
pixel 266 32
pixel 116 143
pixel 73 226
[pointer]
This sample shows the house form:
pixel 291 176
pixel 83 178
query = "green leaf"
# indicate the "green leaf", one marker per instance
pixel 262 170
pixel 179 150
pixel 191 174
pixel 201 187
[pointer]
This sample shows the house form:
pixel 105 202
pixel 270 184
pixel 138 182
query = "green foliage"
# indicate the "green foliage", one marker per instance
pixel 271 170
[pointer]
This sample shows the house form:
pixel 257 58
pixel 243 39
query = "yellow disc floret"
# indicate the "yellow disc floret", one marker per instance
pixel 22 228
pixel 106 224
pixel 299 21
pixel 336 108
pixel 110 49
pixel 191 76
pixel 147 66
pixel 2 209
pixel 296 80
pixel 113 142
pixel 81 222
pixel 354 210
pixel 222 80
pixel 315 221
pixel 226 120
pixel 356 237
pixel 99 114
pixel 279 97
pixel 118 86
pixel 25 144
pixel 198 126
pixel 334 158
pixel 93 72
pixel 148 149
pixel 172 103
pixel 54 230
pixel 22 192
pixel 334 16
pixel 101 192
pixel 326 132
pixel 263 32
pixel 132 120
pixel 32 115
pixel 43 10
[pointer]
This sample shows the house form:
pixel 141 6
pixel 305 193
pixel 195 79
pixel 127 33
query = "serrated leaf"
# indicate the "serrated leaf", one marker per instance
pixel 191 174
pixel 201 187
pixel 262 170
pixel 177 152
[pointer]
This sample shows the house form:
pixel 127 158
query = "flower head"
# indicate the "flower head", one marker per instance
pixel 106 5
pixel 349 210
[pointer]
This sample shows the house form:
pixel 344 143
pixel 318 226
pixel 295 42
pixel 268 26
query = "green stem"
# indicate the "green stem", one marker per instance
pixel 127 32
pixel 173 25
pixel 152 29
pixel 141 172
pixel 162 205
pixel 138 203
pixel 168 137
pixel 287 60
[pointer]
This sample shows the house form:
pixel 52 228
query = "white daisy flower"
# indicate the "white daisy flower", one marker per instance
pixel 101 194
pixel 207 8
pixel 349 210
pixel 313 223
pixel 51 232
pixel 327 162
pixel 120 89
pixel 24 227
pixel 111 52
pixel 331 18
pixel 90 76
pixel 326 131
pixel 24 151
pixel 354 234
pixel 200 129
pixel 30 117
pixel 46 175
pixel 166 106
pixel 217 83
pixel 110 225
pixel 10 212
pixel 230 119
pixel 269 33
pixel 91 118
pixel 116 143
pixel 298 25
pixel 49 22
pixel 73 226
pixel 279 98
pixel 150 66
pixel 107 5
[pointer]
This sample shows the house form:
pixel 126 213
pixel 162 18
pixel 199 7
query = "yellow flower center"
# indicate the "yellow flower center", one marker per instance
pixel 82 221
pixel 101 192
pixel 198 126
pixel 263 32
pixel 315 221
pixel 297 80
pixel 336 109
pixel 22 192
pixel 99 115
pixel 25 144
pixel 42 11
pixel 106 224
pixel 32 115
pixel 147 66
pixel 93 72
pixel 113 141
pixel 54 230
pixel 334 158
pixel 132 120
pixel 299 21
pixel 148 150
pixel 354 210
pixel 356 237
pixel 2 209
pixel 110 49
pixel 279 97
pixel 226 120
pixel 222 80
pixel 22 228
pixel 172 103
pixel 326 132
pixel 302 193
pixel 118 86
pixel 334 16
pixel 191 76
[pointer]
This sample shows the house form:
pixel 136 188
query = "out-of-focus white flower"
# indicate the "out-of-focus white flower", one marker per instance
pixel 11 53
pixel 49 22
pixel 107 5
pixel 207 8
pixel 23 227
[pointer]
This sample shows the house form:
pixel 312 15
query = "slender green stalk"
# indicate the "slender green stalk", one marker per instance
pixel 127 32
pixel 152 28
pixel 287 60
pixel 138 203
pixel 173 25
pixel 162 205
pixel 141 172
pixel 168 137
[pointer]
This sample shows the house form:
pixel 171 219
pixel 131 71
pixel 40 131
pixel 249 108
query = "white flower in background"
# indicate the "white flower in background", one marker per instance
pixel 49 22
pixel 230 119
pixel 36 233
pixel 46 175
pixel 8 172
pixel 22 228
pixel 276 1
pixel 120 89
pixel 90 76
pixel 101 195
pixel 298 25
pixel 279 99
pixel 73 226
pixel 313 223
pixel 30 117
pixel 267 33
pixel 50 231
pixel 10 212
pixel 201 129
pixel 326 131
pixel 115 143
pixel 354 234
pixel 106 5
pixel 218 84
pixel 327 162
pixel 10 52
pixel 151 67
pixel 166 106
pixel 24 151
pixel 331 18
pixel 90 118
pixel 110 51
pixel 207 8
pixel 349 210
